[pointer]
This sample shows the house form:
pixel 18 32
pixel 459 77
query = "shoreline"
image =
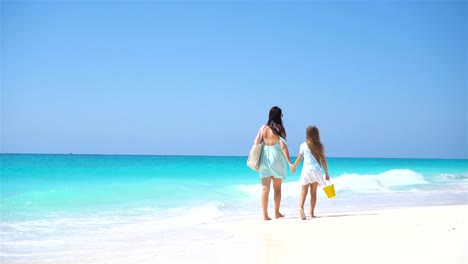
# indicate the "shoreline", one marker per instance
pixel 424 234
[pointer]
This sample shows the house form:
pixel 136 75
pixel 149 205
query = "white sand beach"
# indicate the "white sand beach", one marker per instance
pixel 437 234
pixel 411 235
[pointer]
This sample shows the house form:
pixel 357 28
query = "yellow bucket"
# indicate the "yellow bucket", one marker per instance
pixel 329 190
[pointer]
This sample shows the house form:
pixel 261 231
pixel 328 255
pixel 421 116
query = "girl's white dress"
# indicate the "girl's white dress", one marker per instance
pixel 311 170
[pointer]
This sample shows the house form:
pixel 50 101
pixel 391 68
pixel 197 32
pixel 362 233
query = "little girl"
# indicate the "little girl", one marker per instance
pixel 311 176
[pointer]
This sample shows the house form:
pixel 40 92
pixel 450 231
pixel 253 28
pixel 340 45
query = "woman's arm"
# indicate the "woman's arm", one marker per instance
pixel 325 168
pixel 285 150
pixel 258 138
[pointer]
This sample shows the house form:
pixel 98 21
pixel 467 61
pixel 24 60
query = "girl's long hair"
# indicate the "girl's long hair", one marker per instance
pixel 314 144
pixel 275 121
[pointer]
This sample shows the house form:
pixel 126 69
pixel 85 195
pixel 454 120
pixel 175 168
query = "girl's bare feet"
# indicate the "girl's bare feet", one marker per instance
pixel 266 218
pixel 303 216
pixel 279 215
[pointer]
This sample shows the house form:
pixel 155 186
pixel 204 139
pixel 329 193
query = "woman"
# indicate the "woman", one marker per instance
pixel 274 160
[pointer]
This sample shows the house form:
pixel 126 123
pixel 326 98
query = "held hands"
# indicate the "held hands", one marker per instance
pixel 292 168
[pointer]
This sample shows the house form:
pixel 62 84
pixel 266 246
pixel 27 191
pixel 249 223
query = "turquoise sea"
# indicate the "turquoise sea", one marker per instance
pixel 61 207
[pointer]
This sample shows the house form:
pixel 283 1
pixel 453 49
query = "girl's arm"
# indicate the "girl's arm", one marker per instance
pixel 298 161
pixel 325 168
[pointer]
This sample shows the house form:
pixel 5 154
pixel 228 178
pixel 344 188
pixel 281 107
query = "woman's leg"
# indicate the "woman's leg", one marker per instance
pixel 266 182
pixel 302 198
pixel 277 189
pixel 313 198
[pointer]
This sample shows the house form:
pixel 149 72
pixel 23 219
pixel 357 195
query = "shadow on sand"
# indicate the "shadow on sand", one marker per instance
pixel 334 215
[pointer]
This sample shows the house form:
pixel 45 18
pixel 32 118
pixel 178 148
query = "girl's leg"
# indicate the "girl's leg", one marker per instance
pixel 277 189
pixel 266 182
pixel 313 198
pixel 305 189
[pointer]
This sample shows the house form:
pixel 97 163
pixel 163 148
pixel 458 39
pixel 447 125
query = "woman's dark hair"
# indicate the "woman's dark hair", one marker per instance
pixel 275 121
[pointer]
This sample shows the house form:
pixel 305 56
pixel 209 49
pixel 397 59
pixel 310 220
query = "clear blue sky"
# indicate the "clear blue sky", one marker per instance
pixel 379 78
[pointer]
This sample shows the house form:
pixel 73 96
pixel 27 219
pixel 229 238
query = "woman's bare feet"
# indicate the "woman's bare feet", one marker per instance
pixel 303 216
pixel 266 218
pixel 279 215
